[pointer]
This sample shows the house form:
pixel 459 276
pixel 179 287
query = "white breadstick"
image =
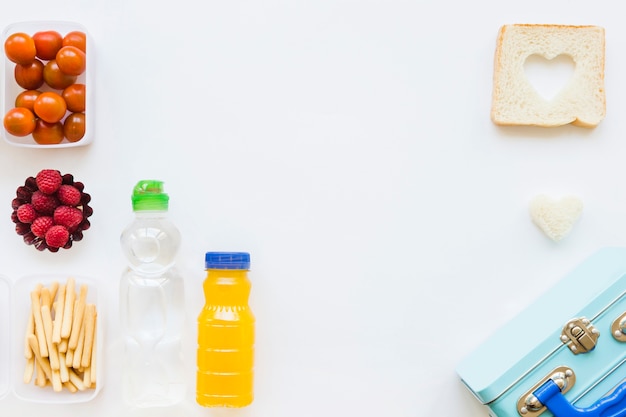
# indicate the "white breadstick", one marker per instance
pixel 68 308
pixel 58 315
pixel 90 327
pixel 46 300
pixel 57 385
pixel 53 353
pixel 75 379
pixel 29 370
pixel 40 377
pixel 39 330
pixel 78 352
pixel 43 363
pixel 79 314
pixel 94 354
pixel 65 376
pixel 54 287
pixel 70 387
pixel 30 329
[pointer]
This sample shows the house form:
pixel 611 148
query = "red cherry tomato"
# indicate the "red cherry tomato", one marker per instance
pixel 29 76
pixel 76 38
pixel 48 133
pixel 20 48
pixel 74 97
pixel 19 121
pixel 71 60
pixel 27 99
pixel 47 44
pixel 56 78
pixel 50 107
pixel 74 127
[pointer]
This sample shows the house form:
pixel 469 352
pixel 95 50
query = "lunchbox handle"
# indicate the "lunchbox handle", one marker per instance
pixel 614 405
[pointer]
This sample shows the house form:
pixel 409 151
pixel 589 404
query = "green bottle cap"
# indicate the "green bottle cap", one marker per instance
pixel 149 195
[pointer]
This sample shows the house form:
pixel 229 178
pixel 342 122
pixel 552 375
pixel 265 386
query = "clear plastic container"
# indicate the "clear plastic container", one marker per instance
pixel 21 297
pixel 5 321
pixel 152 301
pixel 226 333
pixel 12 89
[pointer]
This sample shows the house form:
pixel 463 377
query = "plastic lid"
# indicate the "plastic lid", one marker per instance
pixel 149 195
pixel 227 260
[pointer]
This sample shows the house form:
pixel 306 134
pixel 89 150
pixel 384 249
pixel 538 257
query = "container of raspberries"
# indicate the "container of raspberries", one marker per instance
pixel 51 210
pixel 48 85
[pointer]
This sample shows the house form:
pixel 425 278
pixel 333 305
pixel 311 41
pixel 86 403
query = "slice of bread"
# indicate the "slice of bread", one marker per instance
pixel 582 101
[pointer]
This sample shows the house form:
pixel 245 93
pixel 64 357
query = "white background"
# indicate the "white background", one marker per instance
pixel 348 146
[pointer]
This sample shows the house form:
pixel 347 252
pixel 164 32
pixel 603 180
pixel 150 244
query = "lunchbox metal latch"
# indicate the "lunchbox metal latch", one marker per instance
pixel 618 328
pixel 580 335
pixel 529 406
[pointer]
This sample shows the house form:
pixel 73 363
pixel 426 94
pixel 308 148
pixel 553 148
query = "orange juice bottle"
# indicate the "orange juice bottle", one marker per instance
pixel 225 333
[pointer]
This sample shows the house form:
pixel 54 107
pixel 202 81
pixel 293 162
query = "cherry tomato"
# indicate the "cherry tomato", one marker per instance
pixel 19 121
pixel 55 78
pixel 20 48
pixel 74 127
pixel 27 99
pixel 29 76
pixel 71 60
pixel 76 38
pixel 48 133
pixel 47 44
pixel 74 97
pixel 50 107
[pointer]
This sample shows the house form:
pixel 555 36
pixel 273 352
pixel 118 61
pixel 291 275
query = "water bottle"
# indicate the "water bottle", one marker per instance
pixel 151 302
pixel 225 358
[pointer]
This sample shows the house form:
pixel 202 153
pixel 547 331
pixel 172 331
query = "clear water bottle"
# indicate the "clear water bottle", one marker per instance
pixel 151 302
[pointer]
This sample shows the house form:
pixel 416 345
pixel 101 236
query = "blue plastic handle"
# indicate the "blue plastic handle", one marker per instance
pixel 614 405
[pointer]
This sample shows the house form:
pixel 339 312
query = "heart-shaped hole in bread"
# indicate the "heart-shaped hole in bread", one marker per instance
pixel 549 76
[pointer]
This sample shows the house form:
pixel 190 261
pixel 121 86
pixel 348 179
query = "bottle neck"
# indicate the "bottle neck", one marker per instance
pixel 227 287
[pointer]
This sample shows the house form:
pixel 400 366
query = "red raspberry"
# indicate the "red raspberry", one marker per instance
pixel 67 216
pixel 49 180
pixel 57 236
pixel 44 203
pixel 41 225
pixel 69 195
pixel 26 213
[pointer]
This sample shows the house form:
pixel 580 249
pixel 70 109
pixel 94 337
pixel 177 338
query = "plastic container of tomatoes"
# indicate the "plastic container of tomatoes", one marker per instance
pixel 48 85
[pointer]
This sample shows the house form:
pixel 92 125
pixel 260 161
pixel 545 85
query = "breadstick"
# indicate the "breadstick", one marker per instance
pixel 65 376
pixel 57 385
pixel 63 346
pixel 30 329
pixel 40 378
pixel 87 377
pixel 46 300
pixel 70 387
pixel 43 363
pixel 79 314
pixel 75 379
pixel 58 315
pixel 54 287
pixel 90 327
pixel 39 331
pixel 68 308
pixel 94 353
pixel 69 358
pixel 29 370
pixel 53 353
pixel 78 352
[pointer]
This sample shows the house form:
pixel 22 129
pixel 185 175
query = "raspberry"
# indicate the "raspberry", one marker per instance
pixel 44 203
pixel 48 180
pixel 67 216
pixel 57 236
pixel 41 225
pixel 69 195
pixel 26 213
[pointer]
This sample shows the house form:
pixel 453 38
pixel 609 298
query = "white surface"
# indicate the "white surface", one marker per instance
pixel 347 145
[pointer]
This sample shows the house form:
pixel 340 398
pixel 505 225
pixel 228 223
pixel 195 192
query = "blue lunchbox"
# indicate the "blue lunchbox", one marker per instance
pixel 564 355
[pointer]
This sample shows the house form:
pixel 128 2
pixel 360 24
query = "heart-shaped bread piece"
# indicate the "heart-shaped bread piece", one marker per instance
pixel 555 217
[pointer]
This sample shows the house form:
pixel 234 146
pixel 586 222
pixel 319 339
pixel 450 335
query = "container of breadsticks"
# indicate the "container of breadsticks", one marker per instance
pixel 57 339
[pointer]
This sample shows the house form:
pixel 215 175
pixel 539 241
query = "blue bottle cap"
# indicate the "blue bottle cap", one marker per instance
pixel 227 260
